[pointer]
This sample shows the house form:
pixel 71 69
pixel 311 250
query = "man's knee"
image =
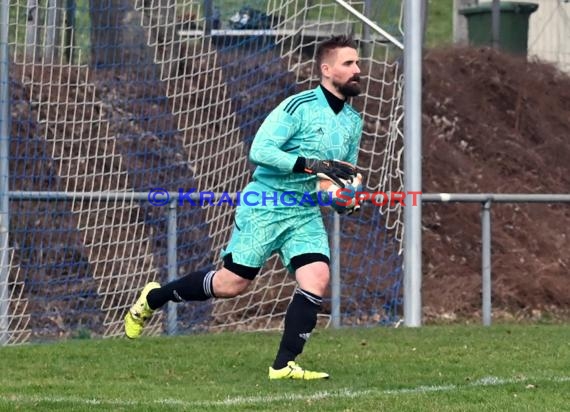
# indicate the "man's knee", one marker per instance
pixel 227 284
pixel 313 276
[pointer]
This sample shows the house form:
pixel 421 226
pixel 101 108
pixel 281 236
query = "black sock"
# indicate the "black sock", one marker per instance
pixel 195 286
pixel 300 320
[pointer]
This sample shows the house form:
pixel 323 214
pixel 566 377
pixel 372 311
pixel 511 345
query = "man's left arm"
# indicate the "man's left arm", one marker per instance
pixel 354 146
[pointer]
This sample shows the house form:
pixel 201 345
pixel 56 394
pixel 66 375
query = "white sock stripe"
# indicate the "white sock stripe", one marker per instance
pixel 313 299
pixel 208 283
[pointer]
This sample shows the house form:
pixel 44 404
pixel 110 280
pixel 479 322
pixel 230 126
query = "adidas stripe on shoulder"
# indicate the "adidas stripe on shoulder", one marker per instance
pixel 298 100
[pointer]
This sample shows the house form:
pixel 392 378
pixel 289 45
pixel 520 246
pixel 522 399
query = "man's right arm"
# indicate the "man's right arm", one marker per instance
pixel 274 132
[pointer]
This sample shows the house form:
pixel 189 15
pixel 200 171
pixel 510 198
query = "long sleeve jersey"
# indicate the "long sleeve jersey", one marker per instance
pixel 302 125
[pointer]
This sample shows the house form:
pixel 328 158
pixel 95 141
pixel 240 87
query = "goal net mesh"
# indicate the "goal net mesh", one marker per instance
pixel 135 96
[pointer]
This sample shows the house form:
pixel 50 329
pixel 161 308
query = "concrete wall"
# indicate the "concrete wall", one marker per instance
pixel 549 32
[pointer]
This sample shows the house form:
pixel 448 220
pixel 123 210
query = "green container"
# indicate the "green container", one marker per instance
pixel 513 33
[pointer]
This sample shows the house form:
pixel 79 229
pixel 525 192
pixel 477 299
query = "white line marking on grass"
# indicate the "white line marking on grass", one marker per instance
pixel 256 400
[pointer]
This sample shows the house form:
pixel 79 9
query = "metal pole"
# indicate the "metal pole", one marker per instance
pixel 412 162
pixel 4 170
pixel 496 23
pixel 70 28
pixel 370 23
pixel 50 31
pixel 335 273
pixel 460 32
pixel 208 16
pixel 366 35
pixel 495 197
pixel 171 245
pixel 32 31
pixel 486 261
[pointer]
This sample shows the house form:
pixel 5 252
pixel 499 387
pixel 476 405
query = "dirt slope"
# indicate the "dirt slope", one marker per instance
pixel 495 123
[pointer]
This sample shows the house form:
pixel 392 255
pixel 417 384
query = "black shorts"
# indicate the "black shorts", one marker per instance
pixel 248 272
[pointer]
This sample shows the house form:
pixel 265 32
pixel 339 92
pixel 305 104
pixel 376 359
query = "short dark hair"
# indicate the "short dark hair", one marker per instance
pixel 335 42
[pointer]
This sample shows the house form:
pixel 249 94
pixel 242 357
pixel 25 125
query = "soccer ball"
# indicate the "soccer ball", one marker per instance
pixel 342 200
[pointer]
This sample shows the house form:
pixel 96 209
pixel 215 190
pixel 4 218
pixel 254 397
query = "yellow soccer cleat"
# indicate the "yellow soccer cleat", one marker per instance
pixel 139 313
pixel 294 371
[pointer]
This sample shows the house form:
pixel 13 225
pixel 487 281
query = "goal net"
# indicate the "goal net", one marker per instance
pixel 166 96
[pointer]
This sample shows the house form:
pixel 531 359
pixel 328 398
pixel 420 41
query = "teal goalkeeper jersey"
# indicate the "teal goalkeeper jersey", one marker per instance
pixel 302 125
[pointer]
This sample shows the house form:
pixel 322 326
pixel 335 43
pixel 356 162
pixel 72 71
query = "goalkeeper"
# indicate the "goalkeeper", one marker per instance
pixel 311 133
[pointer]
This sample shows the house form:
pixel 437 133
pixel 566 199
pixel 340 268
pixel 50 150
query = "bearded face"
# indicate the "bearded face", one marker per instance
pixel 341 71
pixel 350 88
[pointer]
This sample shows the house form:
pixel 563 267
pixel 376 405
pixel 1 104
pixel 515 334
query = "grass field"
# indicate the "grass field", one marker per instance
pixel 439 30
pixel 433 368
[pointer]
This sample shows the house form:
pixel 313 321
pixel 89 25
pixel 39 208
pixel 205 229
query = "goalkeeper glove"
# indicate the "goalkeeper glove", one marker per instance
pixel 327 169
pixel 352 210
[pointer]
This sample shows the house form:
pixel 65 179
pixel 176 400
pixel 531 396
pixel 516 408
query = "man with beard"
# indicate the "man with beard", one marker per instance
pixel 315 132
